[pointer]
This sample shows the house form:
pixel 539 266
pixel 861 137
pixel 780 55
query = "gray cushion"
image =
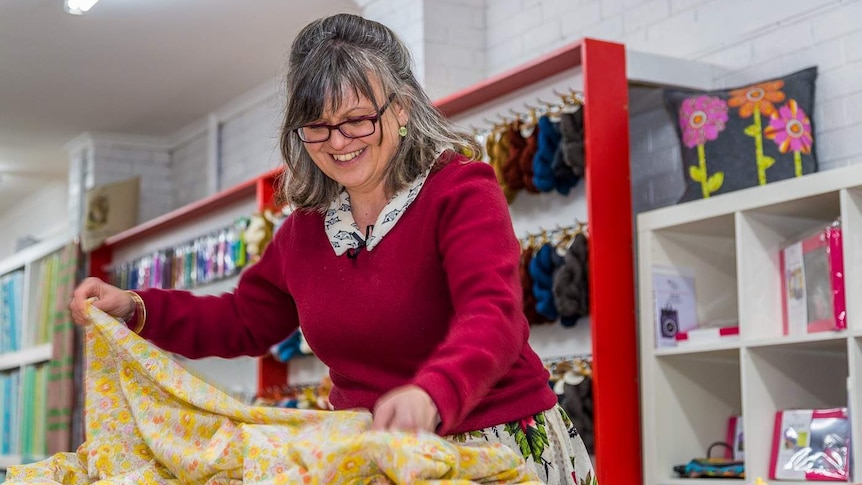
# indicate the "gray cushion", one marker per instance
pixel 720 130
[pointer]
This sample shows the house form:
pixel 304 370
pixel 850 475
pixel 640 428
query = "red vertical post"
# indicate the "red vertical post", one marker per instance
pixel 100 258
pixel 270 372
pixel 265 189
pixel 612 291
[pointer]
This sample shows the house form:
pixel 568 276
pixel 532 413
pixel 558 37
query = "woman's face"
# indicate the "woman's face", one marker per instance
pixel 359 163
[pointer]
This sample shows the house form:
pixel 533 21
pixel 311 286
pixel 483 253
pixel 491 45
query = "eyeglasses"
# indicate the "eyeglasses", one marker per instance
pixel 352 128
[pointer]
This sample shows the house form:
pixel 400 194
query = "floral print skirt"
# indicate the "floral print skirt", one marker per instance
pixel 549 443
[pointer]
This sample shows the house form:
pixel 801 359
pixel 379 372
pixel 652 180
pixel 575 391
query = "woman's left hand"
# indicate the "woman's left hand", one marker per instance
pixel 406 408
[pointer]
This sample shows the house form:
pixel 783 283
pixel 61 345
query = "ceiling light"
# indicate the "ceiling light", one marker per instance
pixel 78 7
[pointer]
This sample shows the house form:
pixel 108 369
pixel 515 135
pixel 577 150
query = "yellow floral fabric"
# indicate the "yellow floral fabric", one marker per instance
pixel 151 422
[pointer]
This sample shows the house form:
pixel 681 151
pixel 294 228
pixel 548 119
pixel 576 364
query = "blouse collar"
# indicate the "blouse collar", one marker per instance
pixel 344 233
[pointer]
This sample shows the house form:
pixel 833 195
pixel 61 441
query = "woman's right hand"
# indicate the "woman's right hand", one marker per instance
pixel 109 299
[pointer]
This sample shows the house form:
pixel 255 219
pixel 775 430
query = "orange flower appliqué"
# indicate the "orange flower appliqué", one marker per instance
pixel 760 96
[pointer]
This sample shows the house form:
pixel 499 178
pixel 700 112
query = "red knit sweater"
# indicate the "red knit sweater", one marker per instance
pixel 437 304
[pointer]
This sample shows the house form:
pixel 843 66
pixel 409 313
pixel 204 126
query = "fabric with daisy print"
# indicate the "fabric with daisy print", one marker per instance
pixel 344 233
pixel 151 422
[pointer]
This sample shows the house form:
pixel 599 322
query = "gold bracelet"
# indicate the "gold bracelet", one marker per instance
pixel 140 309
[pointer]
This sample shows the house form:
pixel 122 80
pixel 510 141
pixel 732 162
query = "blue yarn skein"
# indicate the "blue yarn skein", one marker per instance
pixel 542 267
pixel 546 147
pixel 288 348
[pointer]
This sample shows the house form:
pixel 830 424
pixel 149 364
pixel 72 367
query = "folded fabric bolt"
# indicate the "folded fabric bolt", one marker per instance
pixel 151 422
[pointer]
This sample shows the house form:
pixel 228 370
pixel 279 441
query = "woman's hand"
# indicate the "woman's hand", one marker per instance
pixel 406 408
pixel 109 299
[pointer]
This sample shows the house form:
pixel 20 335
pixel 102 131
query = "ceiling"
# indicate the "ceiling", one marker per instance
pixel 144 67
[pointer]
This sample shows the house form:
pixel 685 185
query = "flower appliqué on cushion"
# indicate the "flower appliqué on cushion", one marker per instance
pixel 701 119
pixel 790 129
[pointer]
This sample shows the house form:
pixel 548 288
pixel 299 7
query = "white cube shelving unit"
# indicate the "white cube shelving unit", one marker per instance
pixel 732 242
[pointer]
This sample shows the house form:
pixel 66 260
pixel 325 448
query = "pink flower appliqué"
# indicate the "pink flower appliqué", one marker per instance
pixel 790 128
pixel 702 118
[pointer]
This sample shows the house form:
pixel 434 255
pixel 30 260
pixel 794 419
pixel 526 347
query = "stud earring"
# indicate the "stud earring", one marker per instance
pixel 402 131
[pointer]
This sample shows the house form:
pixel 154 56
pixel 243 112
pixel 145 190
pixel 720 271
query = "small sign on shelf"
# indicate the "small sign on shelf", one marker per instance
pixel 675 303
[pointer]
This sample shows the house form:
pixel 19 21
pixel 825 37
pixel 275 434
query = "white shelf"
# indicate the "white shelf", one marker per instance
pixel 708 481
pixel 33 355
pixel 9 460
pixel 695 349
pixel 816 339
pixel 773 195
pixel 32 253
pixel 13 460
pixel 730 243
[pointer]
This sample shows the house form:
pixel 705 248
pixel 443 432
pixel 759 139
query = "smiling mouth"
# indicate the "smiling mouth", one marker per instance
pixel 346 157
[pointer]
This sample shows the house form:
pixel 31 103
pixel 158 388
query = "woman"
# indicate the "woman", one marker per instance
pixel 400 263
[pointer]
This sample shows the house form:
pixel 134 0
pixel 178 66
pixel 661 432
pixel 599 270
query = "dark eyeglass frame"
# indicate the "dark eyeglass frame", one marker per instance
pixel 372 118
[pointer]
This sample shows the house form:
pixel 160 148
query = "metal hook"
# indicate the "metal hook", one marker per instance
pixel 576 97
pixel 547 104
pixel 494 124
pixel 561 95
pixel 503 118
pixel 517 114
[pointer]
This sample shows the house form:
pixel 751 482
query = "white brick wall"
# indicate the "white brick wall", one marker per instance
pixel 454 45
pixel 248 143
pixel 75 186
pixel 113 162
pixel 188 167
pixel 406 19
pixel 445 37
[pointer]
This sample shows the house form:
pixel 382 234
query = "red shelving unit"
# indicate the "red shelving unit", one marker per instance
pixel 611 258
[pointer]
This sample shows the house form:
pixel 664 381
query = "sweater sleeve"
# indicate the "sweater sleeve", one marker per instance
pixel 256 315
pixel 488 330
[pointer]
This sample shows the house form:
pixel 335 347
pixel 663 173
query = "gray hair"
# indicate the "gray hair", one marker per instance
pixel 344 52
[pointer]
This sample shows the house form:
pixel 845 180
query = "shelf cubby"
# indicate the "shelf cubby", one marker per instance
pixel 695 394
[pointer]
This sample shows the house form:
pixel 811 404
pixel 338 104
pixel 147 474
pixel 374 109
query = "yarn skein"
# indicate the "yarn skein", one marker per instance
pixel 572 142
pixel 542 269
pixel 571 283
pixel 512 166
pixel 549 139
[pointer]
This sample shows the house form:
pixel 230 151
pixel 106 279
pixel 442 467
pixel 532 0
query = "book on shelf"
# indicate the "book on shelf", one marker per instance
pixel 735 438
pixel 11 310
pixel 811 445
pixel 812 282
pixel 10 385
pixel 675 304
pixel 33 416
